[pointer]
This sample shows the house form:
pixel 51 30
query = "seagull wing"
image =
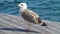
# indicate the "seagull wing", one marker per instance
pixel 30 16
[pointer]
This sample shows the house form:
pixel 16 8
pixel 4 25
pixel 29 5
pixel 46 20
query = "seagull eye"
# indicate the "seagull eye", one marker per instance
pixel 21 4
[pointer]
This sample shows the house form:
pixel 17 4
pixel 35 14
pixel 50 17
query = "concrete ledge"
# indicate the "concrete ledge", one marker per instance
pixel 10 24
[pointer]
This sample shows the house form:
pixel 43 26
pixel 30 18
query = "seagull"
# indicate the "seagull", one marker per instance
pixel 30 16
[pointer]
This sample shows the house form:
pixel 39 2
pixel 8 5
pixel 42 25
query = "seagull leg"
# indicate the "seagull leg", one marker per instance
pixel 28 26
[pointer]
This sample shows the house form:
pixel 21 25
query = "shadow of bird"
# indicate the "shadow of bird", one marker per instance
pixel 18 29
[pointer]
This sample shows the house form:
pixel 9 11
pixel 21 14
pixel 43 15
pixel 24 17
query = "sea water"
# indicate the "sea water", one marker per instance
pixel 46 9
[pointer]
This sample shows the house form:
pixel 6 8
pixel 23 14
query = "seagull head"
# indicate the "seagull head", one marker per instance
pixel 23 5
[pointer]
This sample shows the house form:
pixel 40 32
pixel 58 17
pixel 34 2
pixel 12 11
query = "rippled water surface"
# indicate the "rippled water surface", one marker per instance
pixel 46 9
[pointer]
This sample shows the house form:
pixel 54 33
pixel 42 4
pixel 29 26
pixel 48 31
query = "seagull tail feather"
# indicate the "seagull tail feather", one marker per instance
pixel 42 23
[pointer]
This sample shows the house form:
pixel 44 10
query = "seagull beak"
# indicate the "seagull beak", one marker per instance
pixel 18 5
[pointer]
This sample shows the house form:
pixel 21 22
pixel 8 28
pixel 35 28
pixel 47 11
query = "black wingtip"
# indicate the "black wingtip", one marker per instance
pixel 44 24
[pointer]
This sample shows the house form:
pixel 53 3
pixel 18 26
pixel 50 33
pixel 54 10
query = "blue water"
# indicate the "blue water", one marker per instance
pixel 46 9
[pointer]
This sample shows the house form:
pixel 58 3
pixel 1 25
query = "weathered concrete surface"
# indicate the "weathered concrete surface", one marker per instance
pixel 10 24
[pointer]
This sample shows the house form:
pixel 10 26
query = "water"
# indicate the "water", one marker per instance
pixel 46 9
